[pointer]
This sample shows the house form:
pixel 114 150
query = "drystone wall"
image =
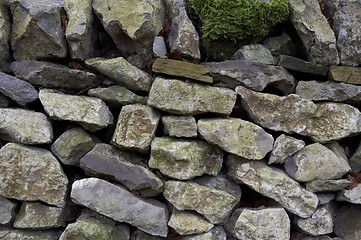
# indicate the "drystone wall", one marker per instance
pixel 116 124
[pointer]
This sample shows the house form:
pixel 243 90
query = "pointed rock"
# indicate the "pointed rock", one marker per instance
pixel 180 126
pixel 283 147
pixel 7 211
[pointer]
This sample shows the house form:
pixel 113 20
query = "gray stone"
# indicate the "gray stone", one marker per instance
pixel 79 29
pixel 273 183
pixel 348 222
pixel 127 168
pixel 256 76
pixel 91 113
pixel 350 195
pixel 325 185
pixel 349 75
pixel 322 122
pixel 93 226
pixel 316 34
pixel 324 198
pixel 7 211
pixel 179 97
pixel 236 136
pixel 5 29
pixel 315 162
pixel 36 31
pixel 337 149
pixel 140 235
pixel 4 101
pixel 47 74
pixel 19 166
pixel 180 126
pixel 255 53
pixel 159 47
pixel 136 128
pixel 148 215
pixel 18 90
pixel 261 223
pixel 185 159
pixel 37 216
pixel 283 147
pixel 25 126
pixel 280 45
pixel 14 234
pixel 355 161
pixel 216 233
pixel 215 205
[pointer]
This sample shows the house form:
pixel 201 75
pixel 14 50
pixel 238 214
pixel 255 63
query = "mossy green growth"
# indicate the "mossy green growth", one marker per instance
pixel 229 24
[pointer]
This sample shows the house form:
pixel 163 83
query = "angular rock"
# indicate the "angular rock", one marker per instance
pixel 273 183
pixel 72 145
pixel 255 53
pixel 47 74
pixel 316 34
pixel 315 162
pixel 4 101
pixel 280 45
pixel 19 165
pixel 348 222
pixel 140 235
pixel 126 168
pixel 5 29
pixel 18 90
pixel 79 29
pixel 149 215
pixel 322 122
pixel 179 97
pixel 37 216
pixel 325 185
pixel 36 31
pixel 25 126
pixel 324 198
pixel 182 69
pixel 261 223
pixel 355 161
pixel 216 233
pixel 350 195
pixel 91 113
pixel 236 136
pixel 180 126
pixel 93 226
pixel 256 76
pixel 283 147
pixel 159 47
pixel 335 147
pixel 136 128
pixel 349 75
pixel 7 211
pixel 116 96
pixel 215 205
pixel 185 159
pixel 186 223
pixel 10 234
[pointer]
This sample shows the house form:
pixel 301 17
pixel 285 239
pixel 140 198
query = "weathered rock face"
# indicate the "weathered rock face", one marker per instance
pixel 179 97
pixel 325 185
pixel 255 53
pixel 10 233
pixel 283 147
pixel 273 183
pixel 4 101
pixel 37 31
pixel 18 182
pixel 322 122
pixel 91 113
pixel 5 28
pixel 180 126
pixel 347 222
pixel 256 76
pixel 216 233
pixel 352 195
pixel 349 75
pixel 185 159
pixel 25 126
pixel 7 211
pixel 236 136
pixel 159 47
pixel 279 45
pixel 148 215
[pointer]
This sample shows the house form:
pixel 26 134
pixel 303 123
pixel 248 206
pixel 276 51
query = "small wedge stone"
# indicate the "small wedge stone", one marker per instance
pixel 283 147
pixel 180 126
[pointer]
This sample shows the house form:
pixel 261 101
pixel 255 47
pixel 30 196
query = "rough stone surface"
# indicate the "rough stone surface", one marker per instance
pixel 7 211
pixel 246 224
pixel 136 127
pixel 14 234
pixel 335 147
pixel 348 222
pixel 215 205
pixel 47 74
pixel 36 30
pixel 179 97
pixel 256 76
pixel 20 163
pixel 316 34
pixel 355 161
pixel 116 96
pixel 185 159
pixel 91 113
pixel 255 53
pixel 5 29
pixel 280 45
pixel 25 126
pixel 274 183
pixel 349 75
pixel 180 126
pixel 283 147
pixel 37 216
pixel 216 233
pixel 176 68
pixel 149 215
pixel 4 101
pixel 159 47
pixel 315 162
pixel 237 136
pixel 324 198
pixel 322 122
pixel 126 168
pixel 327 185
pixel 352 195
pixel 123 72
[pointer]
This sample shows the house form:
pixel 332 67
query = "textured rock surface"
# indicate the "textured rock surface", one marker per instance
pixel 255 53
pixel 355 161
pixel 10 234
pixel 327 185
pixel 185 159
pixel 352 195
pixel 180 126
pixel 5 28
pixel 4 101
pixel 256 76
pixel 179 97
pixel 150 215
pixel 236 136
pixel 124 167
pixel 349 75
pixel 322 122
pixel 159 47
pixel 216 233
pixel 7 211
pixel 136 127
pixel 20 163
pixel 279 45
pixel 25 126
pixel 91 113
pixel 347 222
pixel 274 183
pixel 283 147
